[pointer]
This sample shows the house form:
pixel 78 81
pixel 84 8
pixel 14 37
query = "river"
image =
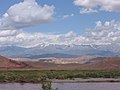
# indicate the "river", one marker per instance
pixel 62 86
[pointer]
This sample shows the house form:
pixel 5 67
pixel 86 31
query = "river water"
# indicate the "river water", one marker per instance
pixel 62 86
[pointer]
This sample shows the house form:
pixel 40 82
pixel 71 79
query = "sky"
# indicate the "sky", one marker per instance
pixel 28 23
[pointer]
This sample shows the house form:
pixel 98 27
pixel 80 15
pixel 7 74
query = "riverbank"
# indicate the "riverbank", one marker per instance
pixel 37 76
pixel 90 80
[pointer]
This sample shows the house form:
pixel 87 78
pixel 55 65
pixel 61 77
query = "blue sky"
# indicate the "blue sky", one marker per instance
pixel 29 23
pixel 78 23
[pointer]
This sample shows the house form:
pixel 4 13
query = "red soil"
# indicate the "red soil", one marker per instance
pixel 6 63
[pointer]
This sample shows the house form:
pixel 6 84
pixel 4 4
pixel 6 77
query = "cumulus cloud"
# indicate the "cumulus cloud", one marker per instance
pixel 106 5
pixel 102 34
pixel 67 16
pixel 87 10
pixel 26 13
pixel 105 33
pixel 8 33
pixel 24 39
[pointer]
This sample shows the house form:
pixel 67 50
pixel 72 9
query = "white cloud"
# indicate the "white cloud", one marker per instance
pixel 25 14
pixel 98 24
pixel 106 5
pixel 103 33
pixel 8 33
pixel 67 16
pixel 87 10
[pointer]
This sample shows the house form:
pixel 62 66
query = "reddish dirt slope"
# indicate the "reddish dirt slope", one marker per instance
pixel 6 63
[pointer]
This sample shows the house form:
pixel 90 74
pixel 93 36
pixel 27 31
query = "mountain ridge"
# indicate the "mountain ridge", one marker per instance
pixel 53 49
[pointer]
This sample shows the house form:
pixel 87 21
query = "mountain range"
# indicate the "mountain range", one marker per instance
pixel 60 51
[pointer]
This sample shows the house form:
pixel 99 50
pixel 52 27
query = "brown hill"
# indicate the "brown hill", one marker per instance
pixel 6 63
pixel 104 63
pixel 99 63
pixel 108 63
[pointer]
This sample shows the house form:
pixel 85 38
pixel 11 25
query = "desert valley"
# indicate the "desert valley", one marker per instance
pixel 81 63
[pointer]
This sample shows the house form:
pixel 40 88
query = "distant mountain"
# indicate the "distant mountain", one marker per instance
pixel 54 50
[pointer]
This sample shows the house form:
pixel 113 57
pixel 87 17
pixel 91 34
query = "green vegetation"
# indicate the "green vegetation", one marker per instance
pixel 46 85
pixel 36 76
